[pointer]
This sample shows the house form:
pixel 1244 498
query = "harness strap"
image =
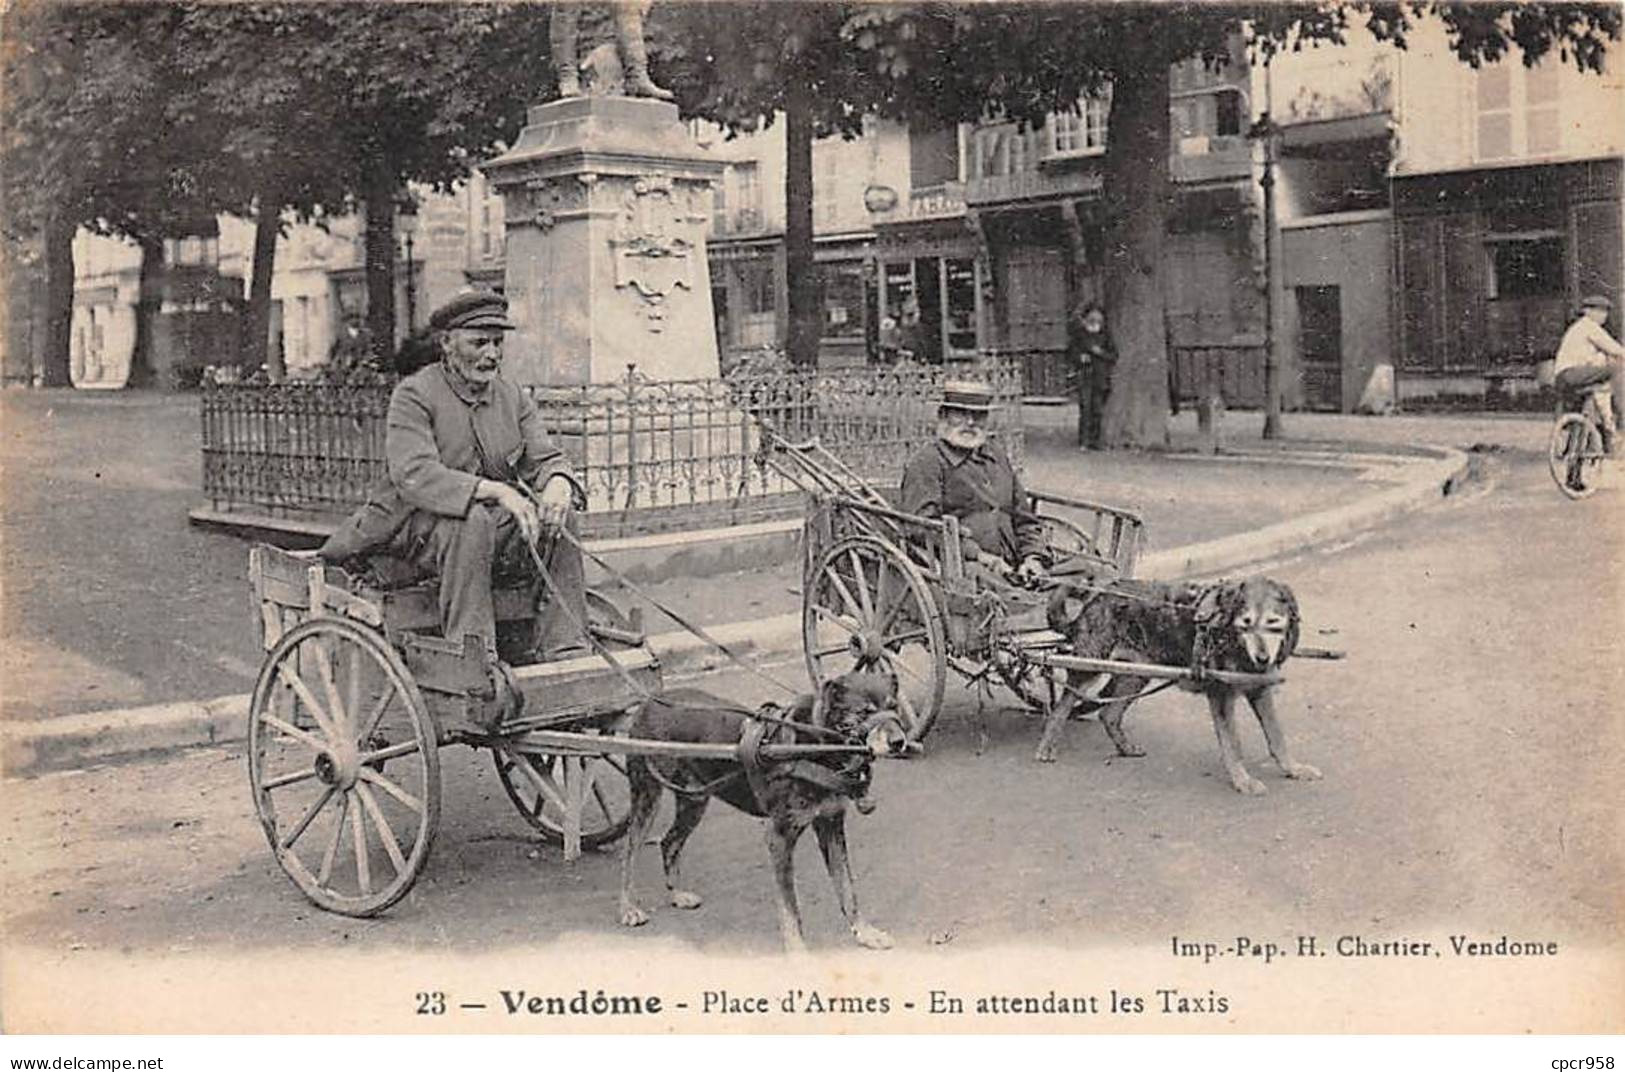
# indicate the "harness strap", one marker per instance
pixel 691 627
pixel 750 758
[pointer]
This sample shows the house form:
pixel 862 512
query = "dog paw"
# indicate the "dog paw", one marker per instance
pixel 1302 770
pixel 1250 786
pixel 633 916
pixel 1132 751
pixel 871 937
pixel 685 899
pixel 1045 754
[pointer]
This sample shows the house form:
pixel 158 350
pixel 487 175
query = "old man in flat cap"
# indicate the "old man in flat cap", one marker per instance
pixel 460 439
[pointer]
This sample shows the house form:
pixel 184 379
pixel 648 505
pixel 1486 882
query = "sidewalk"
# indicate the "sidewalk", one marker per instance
pixel 109 600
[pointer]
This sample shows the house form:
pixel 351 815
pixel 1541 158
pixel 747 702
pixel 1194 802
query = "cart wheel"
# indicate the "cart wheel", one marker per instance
pixel 342 762
pixel 866 602
pixel 1574 455
pixel 536 784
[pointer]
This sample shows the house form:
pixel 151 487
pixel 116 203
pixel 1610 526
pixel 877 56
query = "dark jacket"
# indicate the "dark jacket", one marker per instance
pixel 440 439
pixel 982 490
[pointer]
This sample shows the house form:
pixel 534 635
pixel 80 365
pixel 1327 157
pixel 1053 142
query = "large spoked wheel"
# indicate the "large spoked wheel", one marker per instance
pixel 1575 455
pixel 867 606
pixel 342 762
pixel 540 785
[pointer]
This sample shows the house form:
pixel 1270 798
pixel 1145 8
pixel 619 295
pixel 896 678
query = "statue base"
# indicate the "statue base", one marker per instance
pixel 607 203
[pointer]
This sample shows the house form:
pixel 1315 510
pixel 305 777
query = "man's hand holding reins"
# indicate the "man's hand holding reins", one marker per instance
pixel 525 513
pixel 554 503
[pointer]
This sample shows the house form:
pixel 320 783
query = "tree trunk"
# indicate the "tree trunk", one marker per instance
pixel 802 280
pixel 149 300
pixel 257 352
pixel 380 252
pixel 56 360
pixel 1137 192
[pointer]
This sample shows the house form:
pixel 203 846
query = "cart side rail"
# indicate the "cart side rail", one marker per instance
pixel 932 544
pixel 291 586
pixel 1116 533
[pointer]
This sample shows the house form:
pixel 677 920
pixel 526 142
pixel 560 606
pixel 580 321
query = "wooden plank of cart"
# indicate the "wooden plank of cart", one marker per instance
pixel 358 693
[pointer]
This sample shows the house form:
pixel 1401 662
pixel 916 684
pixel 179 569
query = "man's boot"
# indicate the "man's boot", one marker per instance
pixel 562 39
pixel 634 55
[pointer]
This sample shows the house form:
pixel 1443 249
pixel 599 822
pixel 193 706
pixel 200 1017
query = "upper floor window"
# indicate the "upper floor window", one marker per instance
pixel 193 250
pixel 1081 132
pixel 826 186
pixel 933 157
pixel 1518 110
pixel 747 196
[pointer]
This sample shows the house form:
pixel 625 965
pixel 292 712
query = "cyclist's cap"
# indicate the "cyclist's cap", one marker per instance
pixel 966 395
pixel 1596 301
pixel 481 310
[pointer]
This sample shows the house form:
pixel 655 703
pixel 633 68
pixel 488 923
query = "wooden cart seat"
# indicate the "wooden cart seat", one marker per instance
pixel 381 590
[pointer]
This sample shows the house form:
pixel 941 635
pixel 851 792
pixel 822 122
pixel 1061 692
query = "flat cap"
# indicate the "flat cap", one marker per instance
pixel 1596 301
pixel 966 394
pixel 484 310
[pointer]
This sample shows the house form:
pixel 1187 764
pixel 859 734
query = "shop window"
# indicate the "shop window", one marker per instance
pixel 757 281
pixel 1227 112
pixel 960 278
pixel 842 301
pixel 1525 268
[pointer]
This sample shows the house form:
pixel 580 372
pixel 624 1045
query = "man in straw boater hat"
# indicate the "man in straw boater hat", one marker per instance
pixel 460 441
pixel 965 476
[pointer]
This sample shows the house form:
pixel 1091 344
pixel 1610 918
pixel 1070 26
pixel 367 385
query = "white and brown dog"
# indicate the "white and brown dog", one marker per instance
pixel 1250 626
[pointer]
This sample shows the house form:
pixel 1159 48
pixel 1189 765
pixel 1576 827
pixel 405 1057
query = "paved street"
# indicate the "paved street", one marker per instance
pixel 1471 746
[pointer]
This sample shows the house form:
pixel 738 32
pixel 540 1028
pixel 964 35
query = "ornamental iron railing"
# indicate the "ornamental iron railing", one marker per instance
pixel 653 455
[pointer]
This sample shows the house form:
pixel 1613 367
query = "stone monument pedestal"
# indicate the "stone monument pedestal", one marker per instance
pixel 607 202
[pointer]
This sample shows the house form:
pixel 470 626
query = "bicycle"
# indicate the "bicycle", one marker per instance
pixel 1575 453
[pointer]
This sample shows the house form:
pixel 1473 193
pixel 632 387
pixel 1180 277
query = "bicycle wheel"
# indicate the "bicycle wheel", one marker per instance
pixel 1575 455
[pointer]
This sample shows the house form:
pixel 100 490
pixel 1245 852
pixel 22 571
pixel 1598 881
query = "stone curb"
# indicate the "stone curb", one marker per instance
pixel 76 741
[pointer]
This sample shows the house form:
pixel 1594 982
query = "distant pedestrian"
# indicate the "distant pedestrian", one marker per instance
pixel 1092 358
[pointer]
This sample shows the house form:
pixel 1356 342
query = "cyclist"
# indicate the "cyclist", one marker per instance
pixel 1585 360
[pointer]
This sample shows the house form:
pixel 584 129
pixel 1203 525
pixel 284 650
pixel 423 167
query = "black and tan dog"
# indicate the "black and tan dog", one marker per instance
pixel 791 794
pixel 1248 625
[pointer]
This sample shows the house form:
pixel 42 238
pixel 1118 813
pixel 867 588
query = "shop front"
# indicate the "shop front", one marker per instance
pixel 933 292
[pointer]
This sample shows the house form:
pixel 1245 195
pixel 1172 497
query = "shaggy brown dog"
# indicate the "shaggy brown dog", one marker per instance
pixel 791 794
pixel 1249 626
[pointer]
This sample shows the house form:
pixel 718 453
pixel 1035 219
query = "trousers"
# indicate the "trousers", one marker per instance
pixel 468 553
pixel 1575 381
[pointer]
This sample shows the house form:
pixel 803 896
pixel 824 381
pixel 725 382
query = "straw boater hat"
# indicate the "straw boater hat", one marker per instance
pixel 483 310
pixel 966 395
pixel 1596 301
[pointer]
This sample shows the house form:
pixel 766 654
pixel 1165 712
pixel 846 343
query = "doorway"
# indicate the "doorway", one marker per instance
pixel 1320 347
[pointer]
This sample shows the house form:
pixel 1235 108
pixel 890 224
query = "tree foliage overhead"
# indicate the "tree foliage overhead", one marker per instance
pixel 142 119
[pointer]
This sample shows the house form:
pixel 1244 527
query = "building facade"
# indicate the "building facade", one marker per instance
pixel 1440 218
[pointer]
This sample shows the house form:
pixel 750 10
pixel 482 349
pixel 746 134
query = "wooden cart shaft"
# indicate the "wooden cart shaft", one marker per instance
pixel 1151 670
pixel 567 742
